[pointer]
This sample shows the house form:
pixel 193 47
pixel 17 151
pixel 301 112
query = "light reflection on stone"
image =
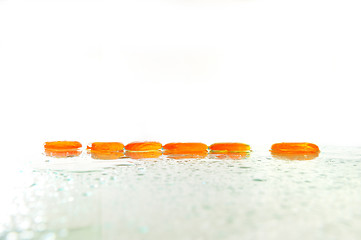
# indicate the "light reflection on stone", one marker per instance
pixel 185 155
pixel 225 156
pixel 63 153
pixel 104 155
pixel 295 156
pixel 143 154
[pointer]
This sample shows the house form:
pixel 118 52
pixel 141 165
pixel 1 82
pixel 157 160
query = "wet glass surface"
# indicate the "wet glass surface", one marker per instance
pixel 259 196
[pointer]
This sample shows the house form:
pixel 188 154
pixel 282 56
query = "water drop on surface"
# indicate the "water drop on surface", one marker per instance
pixel 87 194
pixel 258 180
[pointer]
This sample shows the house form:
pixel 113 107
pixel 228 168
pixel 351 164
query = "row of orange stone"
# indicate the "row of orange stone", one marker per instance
pixel 139 150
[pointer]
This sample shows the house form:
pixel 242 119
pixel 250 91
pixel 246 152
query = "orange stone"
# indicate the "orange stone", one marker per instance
pixel 143 146
pixel 228 155
pixel 295 156
pixel 143 154
pixel 179 148
pixel 229 147
pixel 62 145
pixel 103 155
pixel 191 155
pixel 106 146
pixel 301 148
pixel 62 153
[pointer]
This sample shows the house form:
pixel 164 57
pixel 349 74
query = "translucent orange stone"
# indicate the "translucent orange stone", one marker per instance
pixel 143 154
pixel 62 145
pixel 143 146
pixel 62 149
pixel 62 153
pixel 106 146
pixel 229 147
pixel 179 148
pixel 295 156
pixel 228 155
pixel 301 148
pixel 191 155
pixel 104 155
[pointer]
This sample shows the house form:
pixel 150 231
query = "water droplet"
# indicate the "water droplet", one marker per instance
pixel 87 194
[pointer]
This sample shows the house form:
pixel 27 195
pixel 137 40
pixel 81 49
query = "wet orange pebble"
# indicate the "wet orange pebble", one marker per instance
pixel 233 155
pixel 173 155
pixel 295 156
pixel 301 147
pixel 102 155
pixel 179 148
pixel 62 153
pixel 144 154
pixel 62 145
pixel 230 147
pixel 106 146
pixel 143 146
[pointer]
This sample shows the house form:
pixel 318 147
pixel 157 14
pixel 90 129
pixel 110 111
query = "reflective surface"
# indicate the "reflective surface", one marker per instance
pixel 253 197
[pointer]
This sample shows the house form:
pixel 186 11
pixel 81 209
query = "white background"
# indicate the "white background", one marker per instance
pixel 252 71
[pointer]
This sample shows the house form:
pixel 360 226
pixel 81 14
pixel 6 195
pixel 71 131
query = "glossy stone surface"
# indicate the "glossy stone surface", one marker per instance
pixel 143 146
pixel 229 147
pixel 62 145
pixel 301 148
pixel 106 146
pixel 179 148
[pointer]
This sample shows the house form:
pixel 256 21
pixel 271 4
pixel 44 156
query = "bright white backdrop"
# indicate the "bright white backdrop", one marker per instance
pixel 254 71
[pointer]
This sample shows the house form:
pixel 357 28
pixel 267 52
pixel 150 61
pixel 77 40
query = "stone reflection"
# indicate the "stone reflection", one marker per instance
pixel 105 155
pixel 185 154
pixel 229 155
pixel 143 154
pixel 295 156
pixel 62 153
